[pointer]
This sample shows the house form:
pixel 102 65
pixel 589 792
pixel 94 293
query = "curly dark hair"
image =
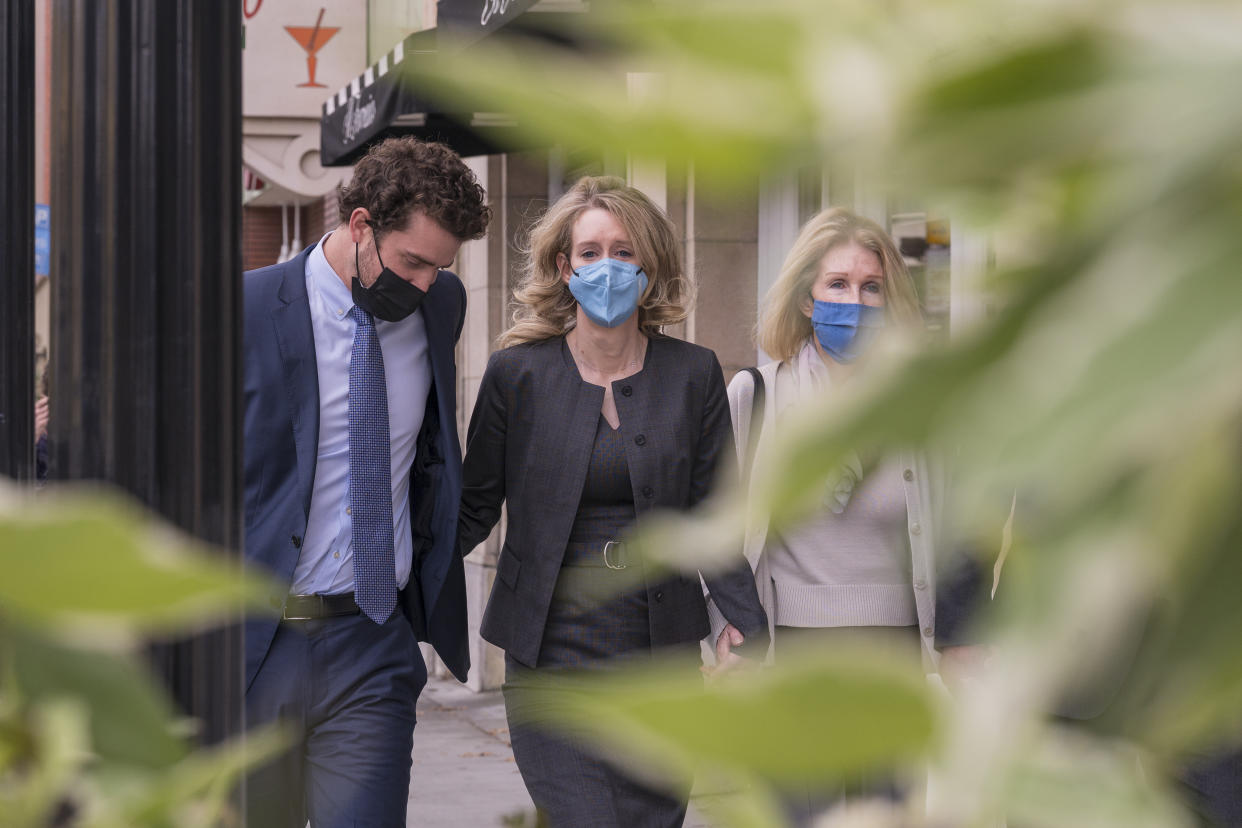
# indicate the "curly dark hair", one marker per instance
pixel 401 176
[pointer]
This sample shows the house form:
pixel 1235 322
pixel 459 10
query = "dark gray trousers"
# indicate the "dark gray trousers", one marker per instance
pixel 568 779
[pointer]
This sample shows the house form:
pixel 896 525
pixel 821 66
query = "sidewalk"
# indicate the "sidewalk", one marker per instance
pixel 464 775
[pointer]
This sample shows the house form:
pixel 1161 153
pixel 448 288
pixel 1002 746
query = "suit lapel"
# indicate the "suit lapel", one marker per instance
pixel 570 441
pixel 296 340
pixel 564 439
pixel 440 352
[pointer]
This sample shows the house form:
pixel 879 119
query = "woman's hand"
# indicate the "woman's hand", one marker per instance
pixel 963 664
pixel 727 660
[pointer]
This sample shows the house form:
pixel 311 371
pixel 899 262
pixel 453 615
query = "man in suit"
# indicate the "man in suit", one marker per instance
pixel 352 481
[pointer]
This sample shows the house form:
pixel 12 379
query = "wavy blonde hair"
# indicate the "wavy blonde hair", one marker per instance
pixel 783 327
pixel 546 308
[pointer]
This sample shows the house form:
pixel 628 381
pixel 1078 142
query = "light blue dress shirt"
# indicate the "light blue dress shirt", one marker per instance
pixel 326 562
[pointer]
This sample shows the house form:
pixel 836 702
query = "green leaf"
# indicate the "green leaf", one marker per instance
pixel 1073 782
pixel 51 743
pixel 92 565
pixel 200 790
pixel 818 716
pixel 1069 61
pixel 129 718
pixel 1185 688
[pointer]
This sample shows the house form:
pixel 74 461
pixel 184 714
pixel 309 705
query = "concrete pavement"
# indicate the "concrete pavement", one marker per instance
pixel 464 774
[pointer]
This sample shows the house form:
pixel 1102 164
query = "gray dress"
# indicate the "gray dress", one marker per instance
pixel 592 625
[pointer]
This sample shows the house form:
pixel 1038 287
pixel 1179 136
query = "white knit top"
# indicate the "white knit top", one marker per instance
pixel 850 569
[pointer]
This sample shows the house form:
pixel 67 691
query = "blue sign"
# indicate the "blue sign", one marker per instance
pixel 43 239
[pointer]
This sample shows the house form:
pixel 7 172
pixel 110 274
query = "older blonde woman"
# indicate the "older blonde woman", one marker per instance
pixel 862 566
pixel 589 419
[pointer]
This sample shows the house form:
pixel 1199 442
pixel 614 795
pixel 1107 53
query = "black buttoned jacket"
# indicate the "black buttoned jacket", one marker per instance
pixel 530 442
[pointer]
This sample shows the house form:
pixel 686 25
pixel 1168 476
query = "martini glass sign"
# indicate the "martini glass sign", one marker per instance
pixel 312 39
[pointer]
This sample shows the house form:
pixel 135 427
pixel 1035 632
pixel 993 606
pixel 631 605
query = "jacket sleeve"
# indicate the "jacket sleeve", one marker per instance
pixel 733 589
pixel 741 400
pixel 483 470
pixel 961 589
pixel 966 575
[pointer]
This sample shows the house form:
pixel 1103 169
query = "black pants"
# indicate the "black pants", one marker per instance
pixel 569 778
pixel 347 688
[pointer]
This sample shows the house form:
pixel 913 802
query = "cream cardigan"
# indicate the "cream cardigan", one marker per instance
pixel 922 485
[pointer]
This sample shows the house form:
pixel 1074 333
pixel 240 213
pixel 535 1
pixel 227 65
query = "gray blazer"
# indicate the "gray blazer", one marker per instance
pixel 530 441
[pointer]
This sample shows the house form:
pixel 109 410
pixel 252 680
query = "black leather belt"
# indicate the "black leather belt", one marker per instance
pixel 310 607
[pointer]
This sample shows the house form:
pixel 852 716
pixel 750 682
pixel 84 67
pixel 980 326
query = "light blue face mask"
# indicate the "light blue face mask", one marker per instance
pixel 846 329
pixel 608 290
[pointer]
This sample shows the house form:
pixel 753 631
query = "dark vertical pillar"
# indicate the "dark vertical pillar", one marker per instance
pixel 17 158
pixel 146 178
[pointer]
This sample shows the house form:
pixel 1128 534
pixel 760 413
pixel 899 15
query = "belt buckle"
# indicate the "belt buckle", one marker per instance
pixel 284 610
pixel 607 562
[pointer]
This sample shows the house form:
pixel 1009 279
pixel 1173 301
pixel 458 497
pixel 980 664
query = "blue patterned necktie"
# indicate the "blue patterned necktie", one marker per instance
pixel 370 474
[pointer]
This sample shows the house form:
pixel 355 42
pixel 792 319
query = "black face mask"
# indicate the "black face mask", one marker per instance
pixel 390 297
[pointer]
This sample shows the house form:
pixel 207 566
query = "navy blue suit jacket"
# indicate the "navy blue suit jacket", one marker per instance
pixel 281 445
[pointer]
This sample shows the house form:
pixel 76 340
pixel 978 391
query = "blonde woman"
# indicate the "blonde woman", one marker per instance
pixel 587 420
pixel 863 565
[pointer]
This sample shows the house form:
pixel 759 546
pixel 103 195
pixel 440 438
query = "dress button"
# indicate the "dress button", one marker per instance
pixel 349 510
pixel 915 528
pixel 920 584
pixel 640 440
pixel 659 596
pixel 927 631
pixel 907 474
pixel 626 391
pixel 296 540
pixel 648 491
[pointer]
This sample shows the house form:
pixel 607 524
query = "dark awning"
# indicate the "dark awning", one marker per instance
pixel 386 100
pixel 471 20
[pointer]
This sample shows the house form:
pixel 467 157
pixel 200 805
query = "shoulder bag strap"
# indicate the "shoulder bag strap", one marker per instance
pixel 756 422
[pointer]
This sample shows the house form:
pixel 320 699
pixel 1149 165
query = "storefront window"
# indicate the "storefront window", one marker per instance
pixel 391 21
pixel 923 240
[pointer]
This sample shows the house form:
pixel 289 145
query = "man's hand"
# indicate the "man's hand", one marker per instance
pixel 41 415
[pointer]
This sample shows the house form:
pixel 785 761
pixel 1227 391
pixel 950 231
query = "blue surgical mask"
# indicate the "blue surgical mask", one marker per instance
pixel 845 329
pixel 608 290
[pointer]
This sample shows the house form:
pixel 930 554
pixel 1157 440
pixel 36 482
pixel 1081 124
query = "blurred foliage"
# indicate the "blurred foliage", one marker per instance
pixel 1097 147
pixel 86 736
pixel 881 715
pixel 662 725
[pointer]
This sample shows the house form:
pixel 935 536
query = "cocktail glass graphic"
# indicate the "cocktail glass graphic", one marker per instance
pixel 312 39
